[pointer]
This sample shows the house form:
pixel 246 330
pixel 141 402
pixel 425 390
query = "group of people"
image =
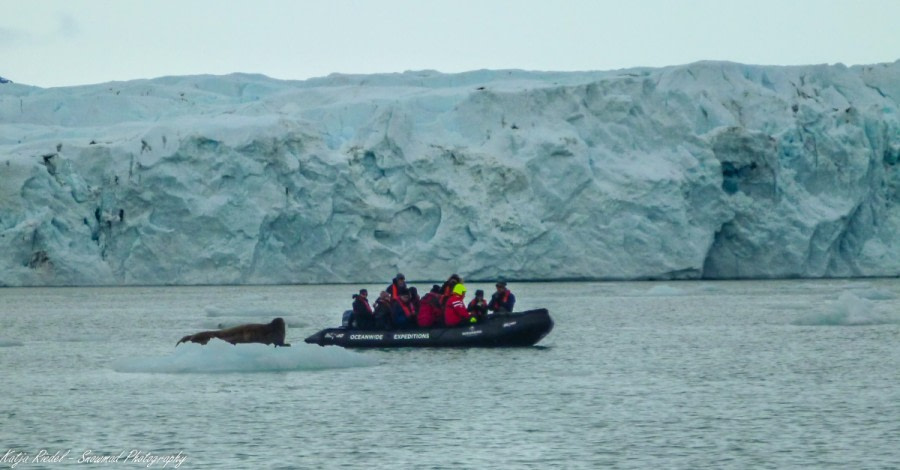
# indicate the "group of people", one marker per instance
pixel 400 307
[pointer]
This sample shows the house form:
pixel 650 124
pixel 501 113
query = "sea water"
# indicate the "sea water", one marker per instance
pixel 782 374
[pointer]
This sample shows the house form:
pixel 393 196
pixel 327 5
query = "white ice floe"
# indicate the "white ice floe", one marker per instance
pixel 850 310
pixel 218 356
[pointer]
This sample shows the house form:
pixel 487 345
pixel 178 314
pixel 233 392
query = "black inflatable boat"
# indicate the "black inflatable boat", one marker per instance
pixel 498 331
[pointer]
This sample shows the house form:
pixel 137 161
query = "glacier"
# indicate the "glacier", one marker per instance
pixel 711 170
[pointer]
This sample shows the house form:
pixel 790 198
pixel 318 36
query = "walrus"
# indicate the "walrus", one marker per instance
pixel 265 333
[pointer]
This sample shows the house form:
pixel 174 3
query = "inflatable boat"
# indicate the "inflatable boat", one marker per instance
pixel 497 331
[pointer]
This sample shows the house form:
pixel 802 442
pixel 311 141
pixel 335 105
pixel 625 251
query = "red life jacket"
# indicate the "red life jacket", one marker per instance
pixel 407 308
pixel 501 301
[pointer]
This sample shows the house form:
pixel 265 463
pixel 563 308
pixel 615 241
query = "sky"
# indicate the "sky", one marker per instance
pixel 52 43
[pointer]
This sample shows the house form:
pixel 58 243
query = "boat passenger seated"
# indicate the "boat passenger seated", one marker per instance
pixel 362 317
pixel 455 312
pixel 397 284
pixel 503 300
pixel 402 310
pixel 382 311
pixel 478 307
pixel 415 300
pixel 447 288
pixel 430 312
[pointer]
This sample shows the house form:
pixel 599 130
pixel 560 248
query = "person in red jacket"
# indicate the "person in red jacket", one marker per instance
pixel 430 311
pixel 455 312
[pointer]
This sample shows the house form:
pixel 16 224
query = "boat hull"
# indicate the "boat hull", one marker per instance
pixel 498 331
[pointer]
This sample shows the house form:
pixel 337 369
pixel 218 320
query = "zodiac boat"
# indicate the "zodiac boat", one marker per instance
pixel 497 331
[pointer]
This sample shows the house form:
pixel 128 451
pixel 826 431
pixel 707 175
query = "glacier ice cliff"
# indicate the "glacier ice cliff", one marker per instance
pixel 708 170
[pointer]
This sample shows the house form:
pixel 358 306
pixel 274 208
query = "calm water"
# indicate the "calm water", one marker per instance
pixel 789 374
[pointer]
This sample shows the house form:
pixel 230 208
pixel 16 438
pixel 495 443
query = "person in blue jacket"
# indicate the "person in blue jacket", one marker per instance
pixel 402 310
pixel 503 300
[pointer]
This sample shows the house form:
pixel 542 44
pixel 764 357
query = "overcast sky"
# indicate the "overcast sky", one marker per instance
pixel 52 43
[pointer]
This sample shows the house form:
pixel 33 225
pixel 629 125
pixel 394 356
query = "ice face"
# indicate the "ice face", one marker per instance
pixel 714 170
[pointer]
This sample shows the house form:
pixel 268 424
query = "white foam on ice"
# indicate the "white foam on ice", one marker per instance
pixel 218 357
pixel 850 310
pixel 876 294
pixel 664 291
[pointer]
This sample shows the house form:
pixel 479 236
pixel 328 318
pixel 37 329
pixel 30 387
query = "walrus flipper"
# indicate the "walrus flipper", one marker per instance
pixel 202 337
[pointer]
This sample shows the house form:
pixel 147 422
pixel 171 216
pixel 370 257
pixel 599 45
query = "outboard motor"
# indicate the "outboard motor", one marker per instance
pixel 345 321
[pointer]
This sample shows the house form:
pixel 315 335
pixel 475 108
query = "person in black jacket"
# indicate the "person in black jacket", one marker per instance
pixel 363 318
pixel 397 284
pixel 478 307
pixel 447 288
pixel 383 320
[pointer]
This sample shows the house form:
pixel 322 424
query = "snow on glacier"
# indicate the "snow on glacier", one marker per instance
pixel 709 170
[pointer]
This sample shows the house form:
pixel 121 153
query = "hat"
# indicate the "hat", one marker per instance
pixel 400 276
pixel 435 288
pixel 479 293
pixel 501 284
pixel 459 289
